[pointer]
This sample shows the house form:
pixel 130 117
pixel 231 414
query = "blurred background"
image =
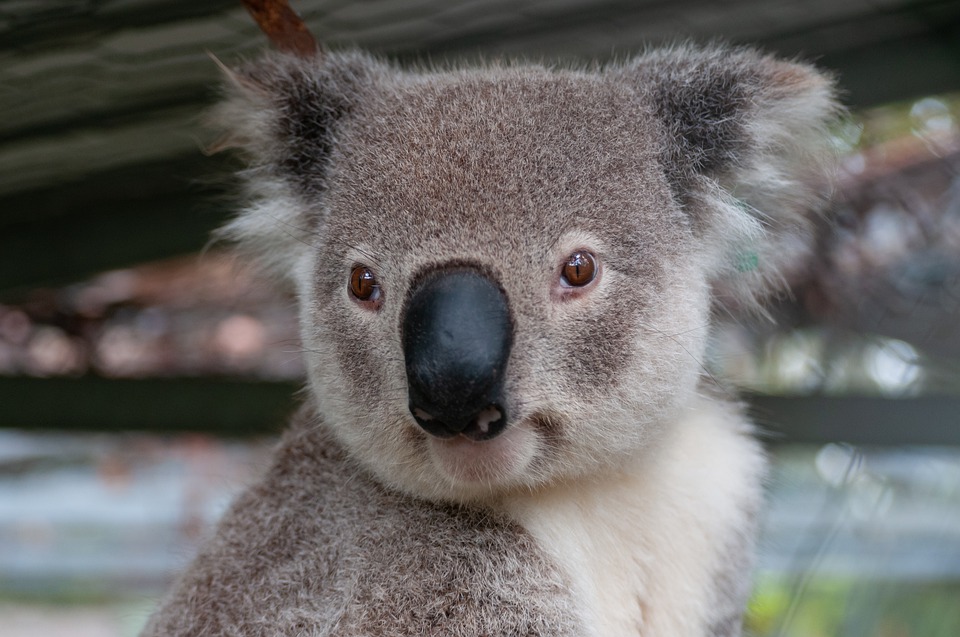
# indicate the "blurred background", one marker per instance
pixel 144 375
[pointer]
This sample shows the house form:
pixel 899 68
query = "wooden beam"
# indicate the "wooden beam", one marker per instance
pixel 858 420
pixel 168 405
pixel 43 28
pixel 238 408
pixel 111 220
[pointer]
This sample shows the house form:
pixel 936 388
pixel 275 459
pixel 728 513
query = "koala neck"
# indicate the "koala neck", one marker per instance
pixel 643 544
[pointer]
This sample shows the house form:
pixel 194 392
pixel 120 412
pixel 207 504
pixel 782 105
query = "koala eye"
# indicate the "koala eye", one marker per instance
pixel 364 286
pixel 579 269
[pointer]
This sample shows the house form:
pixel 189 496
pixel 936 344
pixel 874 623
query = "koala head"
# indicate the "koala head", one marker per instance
pixel 506 275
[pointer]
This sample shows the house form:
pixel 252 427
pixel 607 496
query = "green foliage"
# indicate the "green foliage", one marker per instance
pixel 832 607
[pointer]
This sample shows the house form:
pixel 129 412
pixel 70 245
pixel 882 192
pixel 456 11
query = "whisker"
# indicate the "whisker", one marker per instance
pixel 703 367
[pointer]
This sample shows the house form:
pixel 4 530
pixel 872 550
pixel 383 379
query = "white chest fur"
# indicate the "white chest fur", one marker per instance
pixel 643 546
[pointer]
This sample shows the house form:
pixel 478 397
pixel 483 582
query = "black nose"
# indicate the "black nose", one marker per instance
pixel 456 340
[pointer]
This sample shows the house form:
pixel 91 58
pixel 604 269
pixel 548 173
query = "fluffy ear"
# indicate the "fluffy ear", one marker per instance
pixel 747 152
pixel 282 113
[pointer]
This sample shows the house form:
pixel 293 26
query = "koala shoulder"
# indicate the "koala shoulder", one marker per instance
pixel 318 548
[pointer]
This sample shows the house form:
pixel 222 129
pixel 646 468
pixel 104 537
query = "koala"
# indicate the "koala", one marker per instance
pixel 506 278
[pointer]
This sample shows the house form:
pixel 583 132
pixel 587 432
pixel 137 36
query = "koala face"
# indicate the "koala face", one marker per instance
pixel 506 275
pixel 429 185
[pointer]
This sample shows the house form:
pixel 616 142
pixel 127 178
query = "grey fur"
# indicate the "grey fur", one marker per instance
pixel 674 168
pixel 313 548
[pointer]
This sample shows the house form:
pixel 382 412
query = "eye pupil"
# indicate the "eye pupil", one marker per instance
pixel 363 283
pixel 580 269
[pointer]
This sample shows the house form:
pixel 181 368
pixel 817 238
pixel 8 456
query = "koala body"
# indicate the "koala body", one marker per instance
pixel 506 280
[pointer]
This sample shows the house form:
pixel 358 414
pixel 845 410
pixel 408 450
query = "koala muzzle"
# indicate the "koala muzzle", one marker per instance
pixel 457 335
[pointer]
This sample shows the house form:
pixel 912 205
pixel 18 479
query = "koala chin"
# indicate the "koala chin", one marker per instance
pixel 507 277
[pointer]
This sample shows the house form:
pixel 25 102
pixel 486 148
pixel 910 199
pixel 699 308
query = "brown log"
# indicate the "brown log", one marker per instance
pixel 283 26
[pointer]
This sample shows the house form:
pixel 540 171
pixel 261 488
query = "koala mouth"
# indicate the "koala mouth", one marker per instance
pixel 485 425
pixel 495 462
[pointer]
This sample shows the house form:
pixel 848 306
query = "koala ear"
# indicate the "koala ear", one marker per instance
pixel 747 152
pixel 282 114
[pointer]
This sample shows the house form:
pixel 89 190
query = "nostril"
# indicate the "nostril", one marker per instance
pixel 488 420
pixel 420 414
pixel 486 424
pixel 433 426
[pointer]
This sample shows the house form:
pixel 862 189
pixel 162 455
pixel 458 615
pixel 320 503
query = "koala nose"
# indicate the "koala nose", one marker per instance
pixel 457 335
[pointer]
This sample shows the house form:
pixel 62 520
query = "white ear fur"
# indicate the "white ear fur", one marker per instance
pixel 271 227
pixel 772 199
pixel 282 113
pixel 756 175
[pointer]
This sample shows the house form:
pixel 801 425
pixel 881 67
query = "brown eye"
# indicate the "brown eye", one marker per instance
pixel 364 285
pixel 579 269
